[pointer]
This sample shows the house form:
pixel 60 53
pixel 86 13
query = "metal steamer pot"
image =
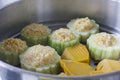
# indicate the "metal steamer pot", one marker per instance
pixel 15 14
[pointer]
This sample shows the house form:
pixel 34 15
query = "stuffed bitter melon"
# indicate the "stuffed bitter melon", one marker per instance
pixel 62 38
pixel 38 58
pixel 35 34
pixel 104 46
pixel 83 27
pixel 10 49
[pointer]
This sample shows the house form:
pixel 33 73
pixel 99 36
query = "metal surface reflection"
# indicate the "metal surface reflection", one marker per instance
pixel 15 14
pixel 4 3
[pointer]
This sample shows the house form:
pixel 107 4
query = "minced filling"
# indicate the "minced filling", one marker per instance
pixel 13 45
pixel 39 55
pixel 63 34
pixel 83 24
pixel 104 39
pixel 35 30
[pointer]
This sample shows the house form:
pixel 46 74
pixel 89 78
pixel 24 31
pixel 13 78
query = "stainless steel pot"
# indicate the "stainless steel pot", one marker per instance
pixel 15 14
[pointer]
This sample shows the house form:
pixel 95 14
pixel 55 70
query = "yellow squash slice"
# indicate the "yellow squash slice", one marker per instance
pixel 108 65
pixel 77 52
pixel 75 68
pixel 96 72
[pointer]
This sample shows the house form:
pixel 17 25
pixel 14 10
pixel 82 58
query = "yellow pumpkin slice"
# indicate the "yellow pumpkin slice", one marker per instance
pixel 96 72
pixel 75 68
pixel 108 65
pixel 77 52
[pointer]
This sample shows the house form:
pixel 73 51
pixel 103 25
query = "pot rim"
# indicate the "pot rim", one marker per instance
pixel 19 70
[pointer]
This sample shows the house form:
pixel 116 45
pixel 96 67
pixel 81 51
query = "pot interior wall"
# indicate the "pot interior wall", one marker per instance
pixel 15 16
pixel 56 13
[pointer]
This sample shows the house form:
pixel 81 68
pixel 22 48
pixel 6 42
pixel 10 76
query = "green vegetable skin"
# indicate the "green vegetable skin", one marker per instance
pixel 43 40
pixel 47 69
pixel 98 53
pixel 34 41
pixel 84 35
pixel 59 46
pixel 10 57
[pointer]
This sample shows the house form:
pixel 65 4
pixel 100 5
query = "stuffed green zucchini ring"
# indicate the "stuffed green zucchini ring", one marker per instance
pixel 42 59
pixel 62 38
pixel 104 46
pixel 10 49
pixel 35 34
pixel 83 27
